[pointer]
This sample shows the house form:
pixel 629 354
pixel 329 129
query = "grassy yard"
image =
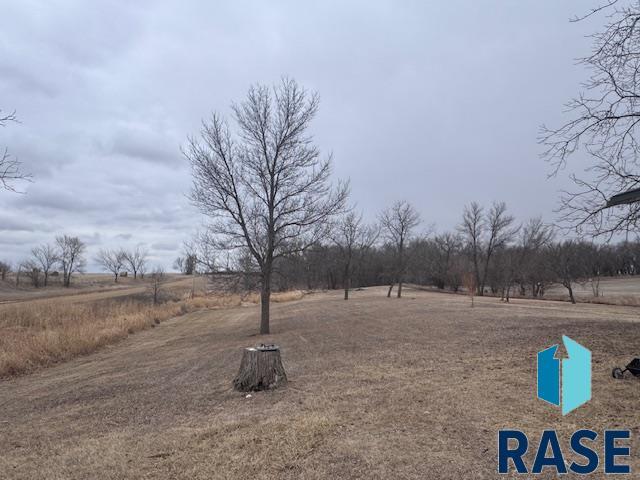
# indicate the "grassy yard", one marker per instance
pixel 379 388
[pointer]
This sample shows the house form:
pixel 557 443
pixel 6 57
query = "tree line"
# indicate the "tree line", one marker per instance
pixel 488 252
pixel 66 256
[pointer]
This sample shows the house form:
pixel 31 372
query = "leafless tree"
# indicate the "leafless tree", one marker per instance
pixel 445 268
pixel 568 264
pixel 353 238
pixel 264 185
pixel 136 260
pixel 30 269
pixel 111 261
pixel 484 235
pixel 535 236
pixel 5 268
pixel 71 252
pixel 398 222
pixel 605 121
pixel 469 283
pixel 178 264
pixel 202 252
pixel 45 257
pixel 10 167
pixel 472 229
pixel 157 278
pixel 501 230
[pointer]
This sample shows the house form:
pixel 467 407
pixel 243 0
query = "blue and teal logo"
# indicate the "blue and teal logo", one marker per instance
pixel 565 382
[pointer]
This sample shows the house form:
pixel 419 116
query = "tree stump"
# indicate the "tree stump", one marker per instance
pixel 260 369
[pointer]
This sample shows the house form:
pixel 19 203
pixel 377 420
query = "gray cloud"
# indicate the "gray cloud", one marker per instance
pixel 436 103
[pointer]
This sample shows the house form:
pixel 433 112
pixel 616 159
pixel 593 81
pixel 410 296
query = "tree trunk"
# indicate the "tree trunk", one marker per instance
pixel 400 288
pixel 265 298
pixel 260 369
pixel 573 300
pixel 347 280
pixel 390 290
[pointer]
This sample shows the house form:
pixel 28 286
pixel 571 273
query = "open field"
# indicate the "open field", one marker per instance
pixel 379 388
pixel 46 326
pixel 620 290
pixel 87 287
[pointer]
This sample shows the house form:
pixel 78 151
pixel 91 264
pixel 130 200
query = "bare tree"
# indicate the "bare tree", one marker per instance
pixel 399 221
pixel 157 279
pixel 568 264
pixel 535 236
pixel 31 271
pixel 201 252
pixel 354 239
pixel 45 257
pixel 10 167
pixel 484 235
pixel 605 121
pixel 178 264
pixel 71 252
pixel 136 259
pixel 501 231
pixel 111 261
pixel 469 283
pixel 265 186
pixel 444 268
pixel 472 229
pixel 5 268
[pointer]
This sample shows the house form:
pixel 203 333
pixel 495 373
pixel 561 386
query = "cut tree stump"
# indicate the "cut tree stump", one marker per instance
pixel 260 369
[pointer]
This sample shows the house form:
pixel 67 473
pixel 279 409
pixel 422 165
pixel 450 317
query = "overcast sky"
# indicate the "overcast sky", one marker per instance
pixel 438 103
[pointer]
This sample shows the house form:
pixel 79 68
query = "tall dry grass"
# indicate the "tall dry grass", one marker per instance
pixel 36 334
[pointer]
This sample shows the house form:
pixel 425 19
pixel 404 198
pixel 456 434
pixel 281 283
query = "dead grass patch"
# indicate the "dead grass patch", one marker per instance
pixel 265 449
pixel 42 333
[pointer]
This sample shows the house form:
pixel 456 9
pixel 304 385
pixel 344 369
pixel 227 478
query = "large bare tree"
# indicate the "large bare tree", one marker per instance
pixel 10 167
pixel 602 131
pixel 71 252
pixel 45 257
pixel 264 184
pixel 354 238
pixel 399 222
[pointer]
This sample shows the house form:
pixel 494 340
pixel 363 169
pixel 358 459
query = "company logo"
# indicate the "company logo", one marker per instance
pixel 566 382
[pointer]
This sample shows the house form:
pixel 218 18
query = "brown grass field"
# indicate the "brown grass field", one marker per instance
pixel 379 388
pixel 41 327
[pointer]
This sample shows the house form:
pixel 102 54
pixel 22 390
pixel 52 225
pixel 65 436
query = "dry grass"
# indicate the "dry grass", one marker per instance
pixel 45 332
pixel 378 388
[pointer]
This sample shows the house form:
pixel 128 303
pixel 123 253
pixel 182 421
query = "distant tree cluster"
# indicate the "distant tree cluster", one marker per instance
pixel 489 252
pixel 119 261
pixel 67 254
